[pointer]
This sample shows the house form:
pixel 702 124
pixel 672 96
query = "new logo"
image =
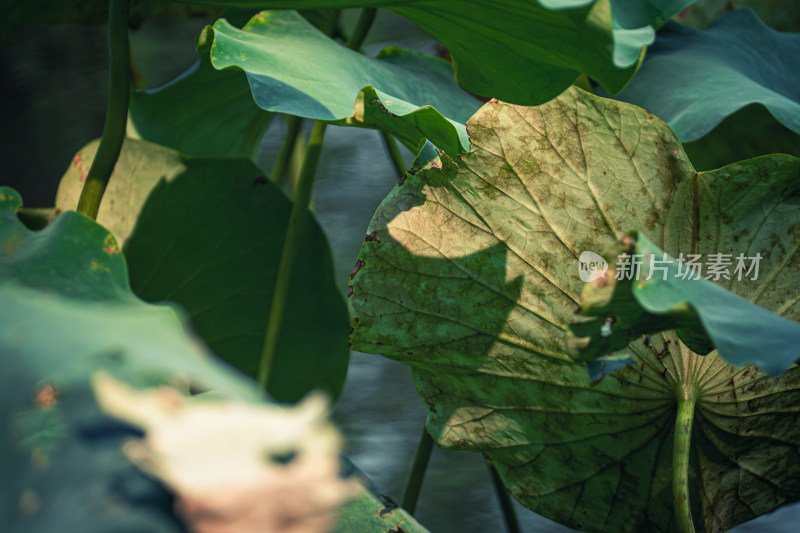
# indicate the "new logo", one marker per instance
pixel 591 266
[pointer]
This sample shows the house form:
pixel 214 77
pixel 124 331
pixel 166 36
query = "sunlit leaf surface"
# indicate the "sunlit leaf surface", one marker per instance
pixel 470 275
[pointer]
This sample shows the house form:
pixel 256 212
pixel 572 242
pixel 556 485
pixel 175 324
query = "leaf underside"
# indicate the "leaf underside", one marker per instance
pixel 524 52
pixel 470 275
pixel 202 113
pixel 409 94
pixel 694 79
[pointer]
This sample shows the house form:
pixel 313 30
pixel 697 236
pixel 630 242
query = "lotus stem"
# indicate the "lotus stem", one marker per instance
pixel 506 505
pixel 680 465
pixel 417 475
pixel 298 219
pixel 117 111
pixel 293 124
pixel 394 153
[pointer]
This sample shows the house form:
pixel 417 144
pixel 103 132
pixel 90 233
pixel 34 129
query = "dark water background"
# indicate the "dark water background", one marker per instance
pixel 53 82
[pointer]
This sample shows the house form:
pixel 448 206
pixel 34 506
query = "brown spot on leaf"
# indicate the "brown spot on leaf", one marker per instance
pixel 372 237
pixel 356 268
pixel 349 291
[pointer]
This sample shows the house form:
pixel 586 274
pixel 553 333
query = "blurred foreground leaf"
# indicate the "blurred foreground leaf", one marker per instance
pixel 236 467
pixel 208 235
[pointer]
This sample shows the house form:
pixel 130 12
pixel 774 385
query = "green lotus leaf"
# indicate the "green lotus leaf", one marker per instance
pixel 749 132
pixel 70 278
pixel 55 435
pixel 693 79
pixel 202 113
pixel 57 333
pixel 470 275
pixel 648 291
pixel 407 93
pixel 66 312
pixel 783 15
pixel 72 256
pixel 523 52
pixel 207 233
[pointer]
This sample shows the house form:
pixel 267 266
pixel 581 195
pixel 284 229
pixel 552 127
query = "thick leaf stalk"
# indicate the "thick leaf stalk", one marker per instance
pixel 506 505
pixel 394 153
pixel 297 222
pixel 363 25
pixel 291 246
pixel 680 465
pixel 117 112
pixel 293 129
pixel 421 460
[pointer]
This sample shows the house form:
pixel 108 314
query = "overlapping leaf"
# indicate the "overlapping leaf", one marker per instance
pixel 62 323
pixel 407 93
pixel 749 132
pixel 372 511
pixel 524 52
pixel 783 15
pixel 208 235
pixel 202 113
pixel 470 275
pixel 647 291
pixel 693 79
pixel 66 312
pixel 66 257
pixel 69 279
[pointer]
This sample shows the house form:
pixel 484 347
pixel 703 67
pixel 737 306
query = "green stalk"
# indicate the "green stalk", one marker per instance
pixel 117 112
pixel 506 505
pixel 291 246
pixel 362 28
pixel 297 223
pixel 680 465
pixel 293 124
pixel 394 153
pixel 36 218
pixel 421 460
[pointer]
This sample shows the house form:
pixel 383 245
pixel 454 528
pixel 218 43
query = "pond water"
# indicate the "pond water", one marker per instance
pixel 53 85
